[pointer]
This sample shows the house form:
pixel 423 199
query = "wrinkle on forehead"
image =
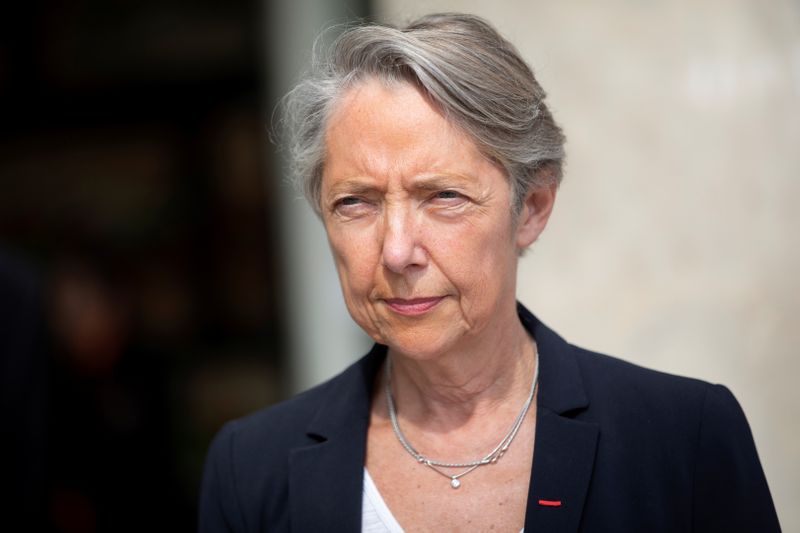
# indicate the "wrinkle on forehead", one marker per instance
pixel 393 141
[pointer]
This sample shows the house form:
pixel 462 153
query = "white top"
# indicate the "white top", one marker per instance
pixel 375 514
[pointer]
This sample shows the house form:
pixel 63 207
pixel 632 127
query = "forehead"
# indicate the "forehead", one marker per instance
pixel 381 129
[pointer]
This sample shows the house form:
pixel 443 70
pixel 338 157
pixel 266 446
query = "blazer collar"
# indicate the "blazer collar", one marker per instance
pixel 347 405
pixel 560 386
pixel 326 479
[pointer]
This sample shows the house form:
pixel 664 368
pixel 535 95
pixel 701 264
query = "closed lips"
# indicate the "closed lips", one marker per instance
pixel 412 306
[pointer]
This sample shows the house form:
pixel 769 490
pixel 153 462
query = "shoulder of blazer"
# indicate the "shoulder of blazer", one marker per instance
pixel 684 435
pixel 247 467
pixel 610 381
pixel 673 453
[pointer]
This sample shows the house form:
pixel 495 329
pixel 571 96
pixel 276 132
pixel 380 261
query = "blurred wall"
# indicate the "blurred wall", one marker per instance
pixel 321 338
pixel 672 244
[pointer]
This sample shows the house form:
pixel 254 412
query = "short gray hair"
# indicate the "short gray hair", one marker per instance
pixel 476 78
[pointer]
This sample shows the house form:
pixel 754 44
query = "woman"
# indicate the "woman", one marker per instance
pixel 433 162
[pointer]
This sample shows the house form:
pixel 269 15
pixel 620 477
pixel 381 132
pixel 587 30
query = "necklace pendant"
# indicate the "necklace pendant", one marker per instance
pixel 455 483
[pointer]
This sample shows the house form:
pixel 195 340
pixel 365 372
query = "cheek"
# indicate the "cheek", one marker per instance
pixel 477 260
pixel 355 264
pixel 354 260
pixel 471 247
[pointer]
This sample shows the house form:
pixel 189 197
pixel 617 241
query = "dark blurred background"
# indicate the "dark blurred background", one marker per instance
pixel 140 287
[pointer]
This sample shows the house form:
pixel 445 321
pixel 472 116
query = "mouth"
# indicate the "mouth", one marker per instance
pixel 413 307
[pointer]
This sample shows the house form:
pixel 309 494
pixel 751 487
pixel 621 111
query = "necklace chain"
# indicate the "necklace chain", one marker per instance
pixel 491 457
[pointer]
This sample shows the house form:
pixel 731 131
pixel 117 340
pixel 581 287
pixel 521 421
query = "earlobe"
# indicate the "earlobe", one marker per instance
pixel 535 213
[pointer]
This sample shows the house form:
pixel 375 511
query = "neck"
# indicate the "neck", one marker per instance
pixel 481 374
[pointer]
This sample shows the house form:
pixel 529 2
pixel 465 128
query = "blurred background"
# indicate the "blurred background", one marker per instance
pixel 158 276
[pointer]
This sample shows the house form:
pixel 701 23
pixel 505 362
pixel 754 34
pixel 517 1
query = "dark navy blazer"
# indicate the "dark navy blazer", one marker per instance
pixel 624 449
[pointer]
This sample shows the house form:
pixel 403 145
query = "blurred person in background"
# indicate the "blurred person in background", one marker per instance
pixel 108 461
pixel 433 162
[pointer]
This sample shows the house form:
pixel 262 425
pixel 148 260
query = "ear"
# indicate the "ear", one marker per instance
pixel 535 213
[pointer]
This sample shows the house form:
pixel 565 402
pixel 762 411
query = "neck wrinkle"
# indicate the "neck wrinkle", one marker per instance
pixel 451 391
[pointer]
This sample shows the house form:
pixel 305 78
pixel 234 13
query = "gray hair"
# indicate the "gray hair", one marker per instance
pixel 476 78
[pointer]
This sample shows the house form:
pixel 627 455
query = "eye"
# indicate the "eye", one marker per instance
pixel 447 195
pixel 352 207
pixel 447 198
pixel 349 200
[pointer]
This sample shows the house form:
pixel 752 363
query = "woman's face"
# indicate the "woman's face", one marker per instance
pixel 419 223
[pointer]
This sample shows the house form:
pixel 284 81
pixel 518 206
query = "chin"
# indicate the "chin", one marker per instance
pixel 420 344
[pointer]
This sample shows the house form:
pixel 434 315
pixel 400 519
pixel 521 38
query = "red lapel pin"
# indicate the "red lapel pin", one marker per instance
pixel 550 503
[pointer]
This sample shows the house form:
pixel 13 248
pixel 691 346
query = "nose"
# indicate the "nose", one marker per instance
pixel 401 247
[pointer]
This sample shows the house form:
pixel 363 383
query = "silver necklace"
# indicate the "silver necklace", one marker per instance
pixel 490 458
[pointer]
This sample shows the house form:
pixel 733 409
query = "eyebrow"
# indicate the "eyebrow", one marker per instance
pixel 351 186
pixel 437 182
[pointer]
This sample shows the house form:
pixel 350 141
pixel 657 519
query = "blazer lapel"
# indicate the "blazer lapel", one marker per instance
pixel 326 478
pixel 563 459
pixel 565 448
pixel 324 493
